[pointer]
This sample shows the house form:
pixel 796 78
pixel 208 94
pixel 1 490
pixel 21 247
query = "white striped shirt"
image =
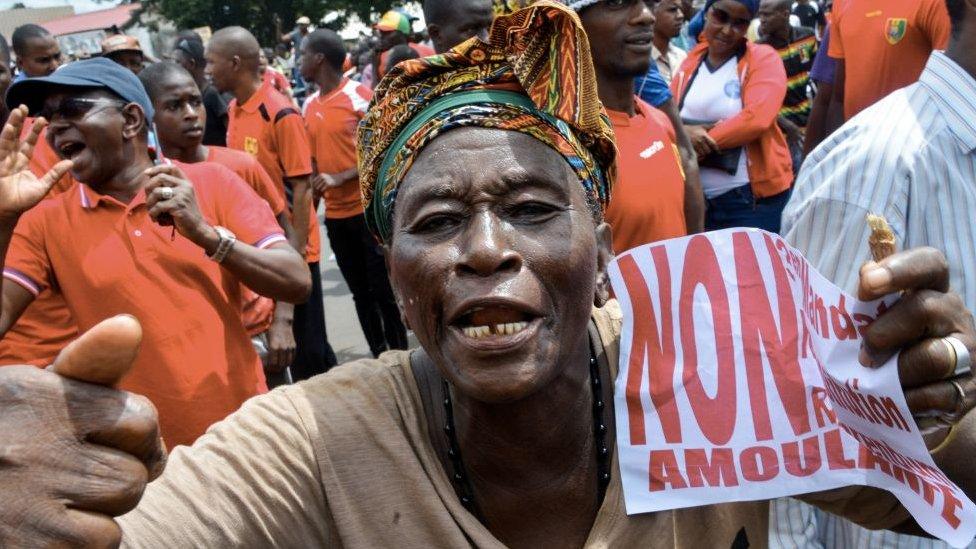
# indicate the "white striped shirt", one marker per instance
pixel 912 158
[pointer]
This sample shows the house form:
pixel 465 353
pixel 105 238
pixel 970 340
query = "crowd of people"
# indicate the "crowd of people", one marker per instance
pixel 475 179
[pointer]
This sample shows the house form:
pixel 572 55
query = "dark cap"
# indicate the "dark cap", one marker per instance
pixel 193 48
pixel 98 73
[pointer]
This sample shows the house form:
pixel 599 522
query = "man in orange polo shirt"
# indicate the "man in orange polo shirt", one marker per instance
pixel 649 197
pixel 265 124
pixel 883 46
pixel 169 244
pixel 332 116
pixel 181 119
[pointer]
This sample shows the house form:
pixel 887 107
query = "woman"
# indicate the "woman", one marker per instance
pixel 499 430
pixel 729 92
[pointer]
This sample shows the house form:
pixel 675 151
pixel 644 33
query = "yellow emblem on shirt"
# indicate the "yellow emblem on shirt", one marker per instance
pixel 251 146
pixel 895 29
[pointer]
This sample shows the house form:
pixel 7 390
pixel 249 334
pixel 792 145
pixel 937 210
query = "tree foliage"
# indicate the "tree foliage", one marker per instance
pixel 259 16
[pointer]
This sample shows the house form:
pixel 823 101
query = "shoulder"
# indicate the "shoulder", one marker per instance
pixel 761 53
pixel 803 33
pixel 359 392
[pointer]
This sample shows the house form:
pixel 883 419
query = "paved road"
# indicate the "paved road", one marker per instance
pixel 341 322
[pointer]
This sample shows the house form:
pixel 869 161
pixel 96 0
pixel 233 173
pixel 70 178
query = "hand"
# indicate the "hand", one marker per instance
pixel 20 189
pixel 181 210
pixel 927 312
pixel 702 142
pixel 281 344
pixel 323 181
pixel 75 454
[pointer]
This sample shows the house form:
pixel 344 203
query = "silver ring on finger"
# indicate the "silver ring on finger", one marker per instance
pixel 166 193
pixel 952 418
pixel 961 359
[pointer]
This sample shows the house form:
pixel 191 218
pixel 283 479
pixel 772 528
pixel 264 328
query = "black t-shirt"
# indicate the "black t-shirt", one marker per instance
pixel 809 16
pixel 215 132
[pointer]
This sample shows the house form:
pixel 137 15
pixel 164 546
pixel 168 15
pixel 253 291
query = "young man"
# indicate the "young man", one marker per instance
pixel 180 118
pixel 124 50
pixel 450 22
pixel 883 46
pixel 169 244
pixel 797 47
pixel 332 116
pixel 910 157
pixel 395 28
pixel 188 53
pixel 652 199
pixel 38 53
pixel 669 20
pixel 265 124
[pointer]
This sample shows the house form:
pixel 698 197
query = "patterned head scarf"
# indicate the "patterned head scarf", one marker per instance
pixel 534 75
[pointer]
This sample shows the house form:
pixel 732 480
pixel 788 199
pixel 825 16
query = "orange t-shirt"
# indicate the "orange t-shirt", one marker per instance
pixel 268 127
pixel 332 123
pixel 648 199
pixel 258 310
pixel 196 363
pixel 45 327
pixel 885 45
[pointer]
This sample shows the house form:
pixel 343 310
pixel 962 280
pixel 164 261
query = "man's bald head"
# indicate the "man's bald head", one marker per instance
pixel 233 59
pixel 231 41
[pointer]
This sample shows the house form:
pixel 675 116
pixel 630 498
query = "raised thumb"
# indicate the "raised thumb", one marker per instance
pixel 102 355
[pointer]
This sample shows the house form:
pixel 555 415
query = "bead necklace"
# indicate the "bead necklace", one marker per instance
pixel 460 479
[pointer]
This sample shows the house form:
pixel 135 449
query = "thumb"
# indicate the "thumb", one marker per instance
pixel 102 355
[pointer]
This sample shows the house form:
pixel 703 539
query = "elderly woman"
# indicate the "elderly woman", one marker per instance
pixel 729 93
pixel 484 172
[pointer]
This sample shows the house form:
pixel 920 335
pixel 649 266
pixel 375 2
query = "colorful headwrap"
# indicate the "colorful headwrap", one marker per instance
pixel 534 75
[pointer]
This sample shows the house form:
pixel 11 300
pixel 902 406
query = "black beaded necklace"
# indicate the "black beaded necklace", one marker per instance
pixel 460 479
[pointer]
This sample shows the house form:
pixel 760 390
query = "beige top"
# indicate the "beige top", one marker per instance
pixel 345 460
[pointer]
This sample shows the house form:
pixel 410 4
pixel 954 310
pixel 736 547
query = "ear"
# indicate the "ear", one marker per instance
pixel 604 255
pixel 135 120
pixel 393 284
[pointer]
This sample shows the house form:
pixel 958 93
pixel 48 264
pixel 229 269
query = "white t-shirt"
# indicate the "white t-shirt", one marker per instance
pixel 713 97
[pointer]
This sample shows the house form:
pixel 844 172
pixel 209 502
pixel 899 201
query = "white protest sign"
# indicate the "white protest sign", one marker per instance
pixel 739 380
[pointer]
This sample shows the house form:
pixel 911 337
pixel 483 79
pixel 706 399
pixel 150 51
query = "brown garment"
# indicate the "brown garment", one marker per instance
pixel 345 460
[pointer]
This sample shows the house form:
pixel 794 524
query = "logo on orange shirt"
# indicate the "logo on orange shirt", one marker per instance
pixel 251 146
pixel 896 29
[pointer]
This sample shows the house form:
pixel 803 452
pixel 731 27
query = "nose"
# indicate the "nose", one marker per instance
pixel 644 15
pixel 486 248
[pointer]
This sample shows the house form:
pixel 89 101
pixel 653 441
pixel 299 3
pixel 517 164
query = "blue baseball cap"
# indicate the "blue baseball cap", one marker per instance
pixel 91 74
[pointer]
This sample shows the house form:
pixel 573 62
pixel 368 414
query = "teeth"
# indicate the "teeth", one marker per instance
pixel 511 328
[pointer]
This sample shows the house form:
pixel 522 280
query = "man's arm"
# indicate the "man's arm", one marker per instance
pixel 835 115
pixel 20 190
pixel 817 123
pixel 276 271
pixel 301 210
pixel 694 197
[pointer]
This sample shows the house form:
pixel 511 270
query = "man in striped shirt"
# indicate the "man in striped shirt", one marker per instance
pixel 912 158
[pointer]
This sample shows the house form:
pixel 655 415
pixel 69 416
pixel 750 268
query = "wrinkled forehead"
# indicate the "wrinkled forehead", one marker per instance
pixel 495 161
pixel 54 95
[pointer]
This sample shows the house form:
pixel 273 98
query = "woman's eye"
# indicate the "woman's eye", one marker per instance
pixel 532 210
pixel 436 223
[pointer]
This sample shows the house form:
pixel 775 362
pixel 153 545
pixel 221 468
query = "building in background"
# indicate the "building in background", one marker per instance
pixel 15 17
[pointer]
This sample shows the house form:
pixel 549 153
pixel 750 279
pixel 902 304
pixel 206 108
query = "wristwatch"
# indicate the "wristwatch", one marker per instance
pixel 224 245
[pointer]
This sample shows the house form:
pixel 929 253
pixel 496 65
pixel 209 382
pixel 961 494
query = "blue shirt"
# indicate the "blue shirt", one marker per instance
pixel 652 88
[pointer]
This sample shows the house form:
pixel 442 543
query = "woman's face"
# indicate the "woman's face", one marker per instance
pixel 496 261
pixel 726 25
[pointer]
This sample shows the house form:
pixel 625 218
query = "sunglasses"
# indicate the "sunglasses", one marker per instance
pixel 75 108
pixel 722 18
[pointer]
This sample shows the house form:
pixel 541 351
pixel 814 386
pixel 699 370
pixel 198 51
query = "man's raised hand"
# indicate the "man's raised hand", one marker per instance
pixel 20 189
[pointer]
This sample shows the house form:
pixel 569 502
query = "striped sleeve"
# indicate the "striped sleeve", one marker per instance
pixel 27 262
pixel 858 171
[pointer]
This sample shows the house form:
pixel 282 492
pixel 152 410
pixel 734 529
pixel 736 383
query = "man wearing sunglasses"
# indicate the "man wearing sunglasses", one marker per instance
pixel 170 244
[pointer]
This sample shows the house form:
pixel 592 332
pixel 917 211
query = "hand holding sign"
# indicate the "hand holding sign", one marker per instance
pixel 739 377
pixel 74 454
